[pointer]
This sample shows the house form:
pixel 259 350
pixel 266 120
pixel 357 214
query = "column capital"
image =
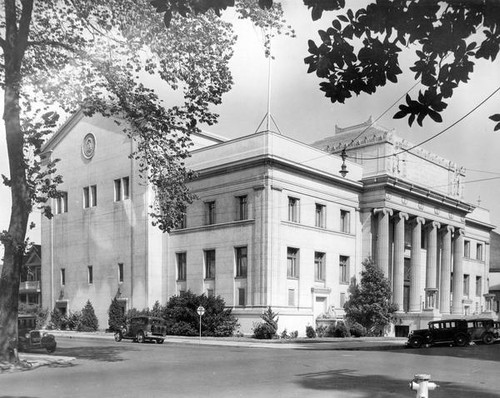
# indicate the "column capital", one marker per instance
pixel 383 210
pixel 459 232
pixel 418 220
pixel 402 216
pixel 434 225
pixel 448 228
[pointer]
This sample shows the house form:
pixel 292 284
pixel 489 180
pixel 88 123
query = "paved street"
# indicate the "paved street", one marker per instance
pixel 127 369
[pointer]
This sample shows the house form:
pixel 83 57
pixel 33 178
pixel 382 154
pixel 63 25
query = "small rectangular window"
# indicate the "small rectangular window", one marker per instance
pixel 210 212
pixel 63 276
pixel 241 262
pixel 479 286
pixel 125 188
pixel 241 296
pixel 291 297
pixel 62 203
pixel 292 263
pixel 90 274
pixel 120 272
pixel 86 197
pixel 90 196
pixel 345 221
pixel 118 190
pixel 466 285
pixel 466 249
pixel 209 264
pixel 210 292
pixel 479 252
pixel 319 266
pixel 242 210
pixel 93 195
pixel 293 209
pixel 181 266
pixel 344 269
pixel 320 216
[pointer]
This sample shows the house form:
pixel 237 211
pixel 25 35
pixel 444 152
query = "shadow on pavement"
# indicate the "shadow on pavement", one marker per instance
pixel 15 396
pixel 347 381
pixel 101 353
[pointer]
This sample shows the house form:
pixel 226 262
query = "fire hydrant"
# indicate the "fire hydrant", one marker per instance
pixel 422 385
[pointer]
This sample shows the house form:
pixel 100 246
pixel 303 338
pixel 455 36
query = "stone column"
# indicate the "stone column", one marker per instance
pixel 458 272
pixel 444 288
pixel 416 265
pixel 399 259
pixel 382 248
pixel 431 270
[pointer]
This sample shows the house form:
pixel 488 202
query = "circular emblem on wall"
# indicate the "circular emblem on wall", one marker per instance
pixel 88 146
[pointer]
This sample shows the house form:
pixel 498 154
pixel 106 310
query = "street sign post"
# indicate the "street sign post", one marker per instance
pixel 200 311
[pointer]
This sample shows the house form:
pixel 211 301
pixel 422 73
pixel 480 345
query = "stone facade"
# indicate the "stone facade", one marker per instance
pixel 274 224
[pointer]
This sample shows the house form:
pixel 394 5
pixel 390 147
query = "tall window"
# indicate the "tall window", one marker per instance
pixel 241 296
pixel 320 216
pixel 467 249
pixel 466 285
pixel 120 272
pixel 242 210
pixel 122 190
pixel 210 292
pixel 209 264
pixel 344 269
pixel 345 221
pixel 479 286
pixel 63 276
pixel 181 266
pixel 62 203
pixel 293 209
pixel 90 196
pixel 319 266
pixel 342 300
pixel 90 274
pixel 292 262
pixel 210 212
pixel 241 262
pixel 479 252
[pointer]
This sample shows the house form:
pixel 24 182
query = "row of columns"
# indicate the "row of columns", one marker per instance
pixel 448 233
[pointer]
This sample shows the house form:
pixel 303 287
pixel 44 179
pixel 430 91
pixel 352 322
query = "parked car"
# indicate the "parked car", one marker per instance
pixel 29 337
pixel 453 331
pixel 482 329
pixel 142 329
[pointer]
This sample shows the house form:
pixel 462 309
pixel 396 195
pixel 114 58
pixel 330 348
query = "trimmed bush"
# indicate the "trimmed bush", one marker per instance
pixel 116 317
pixel 357 330
pixel 263 331
pixel 310 332
pixel 89 322
pixel 57 320
pixel 321 331
pixel 341 330
pixel 74 320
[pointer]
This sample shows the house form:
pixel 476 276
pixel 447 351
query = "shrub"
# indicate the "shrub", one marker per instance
pixel 182 318
pixel 294 334
pixel 284 334
pixel 340 330
pixel 310 332
pixel 321 331
pixel 89 322
pixel 263 331
pixel 268 328
pixel 74 320
pixel 57 320
pixel 357 330
pixel 116 317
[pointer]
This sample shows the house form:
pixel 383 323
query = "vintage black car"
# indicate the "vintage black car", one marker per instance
pixel 453 331
pixel 482 329
pixel 142 329
pixel 29 337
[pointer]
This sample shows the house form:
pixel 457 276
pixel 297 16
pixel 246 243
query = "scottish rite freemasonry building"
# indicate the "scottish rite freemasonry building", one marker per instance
pixel 275 224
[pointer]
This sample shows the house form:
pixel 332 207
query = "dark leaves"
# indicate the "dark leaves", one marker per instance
pixel 496 118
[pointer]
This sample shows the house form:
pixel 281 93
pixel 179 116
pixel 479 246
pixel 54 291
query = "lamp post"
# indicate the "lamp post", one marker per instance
pixel 200 311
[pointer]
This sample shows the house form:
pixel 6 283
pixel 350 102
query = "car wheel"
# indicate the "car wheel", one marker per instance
pixel 488 338
pixel 461 340
pixel 118 336
pixel 51 349
pixel 160 341
pixel 140 337
pixel 415 342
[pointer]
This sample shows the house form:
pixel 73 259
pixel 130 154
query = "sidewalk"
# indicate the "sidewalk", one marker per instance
pixel 349 343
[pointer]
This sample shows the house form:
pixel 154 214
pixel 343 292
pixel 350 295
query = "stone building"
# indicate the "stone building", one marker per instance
pixel 275 224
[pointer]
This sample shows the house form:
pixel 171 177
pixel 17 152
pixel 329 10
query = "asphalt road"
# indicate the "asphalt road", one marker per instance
pixel 127 369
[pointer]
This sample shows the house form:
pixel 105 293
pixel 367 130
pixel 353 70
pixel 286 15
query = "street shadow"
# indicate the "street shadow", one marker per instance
pixel 15 396
pixel 101 354
pixel 375 386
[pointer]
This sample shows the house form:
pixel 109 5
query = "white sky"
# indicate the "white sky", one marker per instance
pixel 303 113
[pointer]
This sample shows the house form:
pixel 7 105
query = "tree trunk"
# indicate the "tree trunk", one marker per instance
pixel 14 47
